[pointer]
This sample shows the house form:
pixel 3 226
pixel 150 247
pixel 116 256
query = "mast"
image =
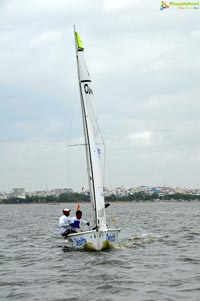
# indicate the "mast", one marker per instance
pixel 90 132
pixel 79 47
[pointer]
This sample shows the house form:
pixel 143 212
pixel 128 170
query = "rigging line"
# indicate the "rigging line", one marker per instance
pixel 104 164
pixel 108 169
pixel 70 135
pixel 72 115
pixel 84 181
pixel 79 144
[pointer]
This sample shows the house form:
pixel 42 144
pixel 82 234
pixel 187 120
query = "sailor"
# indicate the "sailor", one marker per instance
pixel 77 220
pixel 64 223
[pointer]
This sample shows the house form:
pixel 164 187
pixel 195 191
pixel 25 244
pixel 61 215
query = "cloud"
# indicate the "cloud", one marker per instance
pixel 33 165
pixel 47 37
pixel 145 70
pixel 111 5
pixel 145 137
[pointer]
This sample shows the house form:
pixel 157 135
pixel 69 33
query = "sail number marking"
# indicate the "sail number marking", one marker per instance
pixel 110 237
pixel 80 241
pixel 87 89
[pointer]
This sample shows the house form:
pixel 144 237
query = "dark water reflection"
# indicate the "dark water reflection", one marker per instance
pixel 157 257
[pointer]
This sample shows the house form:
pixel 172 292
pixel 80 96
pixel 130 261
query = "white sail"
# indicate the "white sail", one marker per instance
pixel 91 134
pixel 99 237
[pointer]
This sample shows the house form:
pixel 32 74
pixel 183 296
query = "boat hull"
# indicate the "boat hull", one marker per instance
pixel 94 240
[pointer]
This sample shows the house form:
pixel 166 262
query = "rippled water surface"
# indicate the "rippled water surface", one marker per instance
pixel 157 258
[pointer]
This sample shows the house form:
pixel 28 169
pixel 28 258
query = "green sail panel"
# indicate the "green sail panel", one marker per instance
pixel 79 42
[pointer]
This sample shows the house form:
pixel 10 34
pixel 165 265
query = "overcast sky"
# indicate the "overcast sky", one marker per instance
pixel 145 68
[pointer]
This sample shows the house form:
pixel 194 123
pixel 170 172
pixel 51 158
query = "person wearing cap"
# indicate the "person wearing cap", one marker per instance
pixel 77 220
pixel 64 223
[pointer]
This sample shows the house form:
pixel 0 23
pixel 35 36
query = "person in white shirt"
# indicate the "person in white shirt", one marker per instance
pixel 78 221
pixel 65 222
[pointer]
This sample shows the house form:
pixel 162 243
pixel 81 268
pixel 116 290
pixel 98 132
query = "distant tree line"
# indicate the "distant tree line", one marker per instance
pixel 76 197
pixel 142 196
pixel 62 198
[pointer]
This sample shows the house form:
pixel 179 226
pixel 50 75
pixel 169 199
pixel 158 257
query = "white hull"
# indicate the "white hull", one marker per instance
pixel 94 240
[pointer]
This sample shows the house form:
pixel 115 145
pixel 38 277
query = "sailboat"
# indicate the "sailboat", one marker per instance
pixel 100 237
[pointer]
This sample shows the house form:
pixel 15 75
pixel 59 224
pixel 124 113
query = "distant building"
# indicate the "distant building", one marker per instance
pixel 55 192
pixel 120 191
pixel 179 190
pixel 18 193
pixel 3 196
pixel 59 191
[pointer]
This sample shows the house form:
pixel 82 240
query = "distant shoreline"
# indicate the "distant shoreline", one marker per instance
pixel 81 198
pixel 88 202
pixel 117 202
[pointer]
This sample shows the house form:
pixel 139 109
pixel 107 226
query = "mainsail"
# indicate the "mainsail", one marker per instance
pixel 91 135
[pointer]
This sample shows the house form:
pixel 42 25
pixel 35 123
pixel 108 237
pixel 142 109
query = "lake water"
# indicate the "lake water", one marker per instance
pixel 157 258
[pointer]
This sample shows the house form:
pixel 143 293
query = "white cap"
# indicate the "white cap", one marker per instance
pixel 66 209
